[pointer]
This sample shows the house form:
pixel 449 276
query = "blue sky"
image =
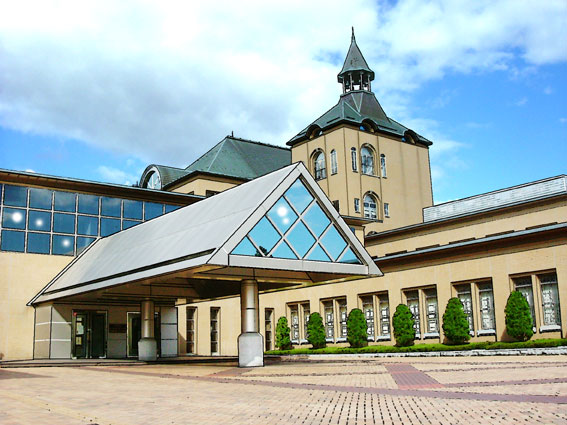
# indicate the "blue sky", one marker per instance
pixel 100 90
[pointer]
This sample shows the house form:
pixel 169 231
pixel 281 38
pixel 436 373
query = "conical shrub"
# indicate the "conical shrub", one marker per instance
pixel 404 333
pixel 316 331
pixel 455 323
pixel 357 329
pixel 283 340
pixel 519 321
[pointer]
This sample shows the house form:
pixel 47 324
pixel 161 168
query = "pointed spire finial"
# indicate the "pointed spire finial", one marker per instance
pixel 352 37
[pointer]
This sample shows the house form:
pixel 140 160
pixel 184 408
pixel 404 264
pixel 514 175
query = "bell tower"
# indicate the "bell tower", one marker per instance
pixel 356 74
pixel 372 167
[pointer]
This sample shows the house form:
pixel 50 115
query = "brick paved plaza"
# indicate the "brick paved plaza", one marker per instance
pixel 487 390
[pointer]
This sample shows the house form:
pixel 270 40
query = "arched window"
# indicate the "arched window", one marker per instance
pixel 153 180
pixel 319 165
pixel 383 165
pixel 353 159
pixel 367 157
pixel 334 167
pixel 370 206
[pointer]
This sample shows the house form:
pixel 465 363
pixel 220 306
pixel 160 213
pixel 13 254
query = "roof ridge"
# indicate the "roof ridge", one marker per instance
pixel 257 142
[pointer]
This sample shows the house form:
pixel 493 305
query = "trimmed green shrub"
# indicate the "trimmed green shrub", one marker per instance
pixel 283 340
pixel 403 326
pixel 455 323
pixel 357 329
pixel 316 331
pixel 519 322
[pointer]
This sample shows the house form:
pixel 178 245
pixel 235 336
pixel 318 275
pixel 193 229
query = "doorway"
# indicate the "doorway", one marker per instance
pixel 135 333
pixel 89 334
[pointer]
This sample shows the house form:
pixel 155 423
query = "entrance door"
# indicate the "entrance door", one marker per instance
pixel 98 333
pixel 135 333
pixel 89 334
pixel 80 325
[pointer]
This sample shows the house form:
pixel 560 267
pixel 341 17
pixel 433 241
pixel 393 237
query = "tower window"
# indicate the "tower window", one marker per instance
pixel 386 209
pixel 353 159
pixel 383 165
pixel 356 205
pixel 367 157
pixel 369 206
pixel 319 165
pixel 334 167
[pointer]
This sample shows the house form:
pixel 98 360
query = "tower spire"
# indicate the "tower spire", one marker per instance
pixel 356 74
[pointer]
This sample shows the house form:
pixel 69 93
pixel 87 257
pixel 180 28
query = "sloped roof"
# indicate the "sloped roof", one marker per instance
pixel 204 233
pixel 241 158
pixel 355 107
pixel 354 61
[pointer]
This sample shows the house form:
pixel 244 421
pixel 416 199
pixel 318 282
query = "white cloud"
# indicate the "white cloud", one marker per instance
pixel 165 81
pixel 115 175
pixel 521 102
pixel 563 120
pixel 548 90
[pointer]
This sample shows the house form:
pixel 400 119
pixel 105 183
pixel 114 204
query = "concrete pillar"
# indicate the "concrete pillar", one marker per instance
pixel 147 346
pixel 250 341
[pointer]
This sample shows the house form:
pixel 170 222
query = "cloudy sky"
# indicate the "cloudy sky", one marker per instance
pixel 98 90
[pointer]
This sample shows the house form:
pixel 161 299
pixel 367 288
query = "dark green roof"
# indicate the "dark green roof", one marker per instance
pixel 169 174
pixel 238 158
pixel 358 107
pixel 354 61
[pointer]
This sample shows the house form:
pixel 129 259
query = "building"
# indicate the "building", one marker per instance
pixel 85 264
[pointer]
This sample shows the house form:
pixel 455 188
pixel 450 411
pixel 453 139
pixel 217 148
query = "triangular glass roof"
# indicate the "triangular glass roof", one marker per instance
pixel 296 227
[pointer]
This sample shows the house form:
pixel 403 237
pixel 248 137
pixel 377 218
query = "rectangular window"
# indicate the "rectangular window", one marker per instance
pixel 13 218
pixel 464 295
pixel 268 327
pixel 336 205
pixel 62 245
pixel 353 159
pixel 40 198
pixel 126 224
pixel 65 201
pixel 108 226
pixel 486 300
pixel 215 330
pixel 306 311
pixel 356 205
pixel 413 304
pixel 524 285
pixel 384 309
pixel 152 210
pixel 368 310
pixel 87 225
pixel 132 209
pixel 12 241
pixel 329 321
pixel 386 209
pixel 63 223
pixel 88 204
pixel 191 329
pixel 15 196
pixel 343 316
pixel 38 243
pixel 39 220
pixel 294 323
pixel 111 207
pixel 550 301
pixel 431 309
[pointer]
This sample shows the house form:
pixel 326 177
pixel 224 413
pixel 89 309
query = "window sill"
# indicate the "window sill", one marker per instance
pixel 417 336
pixel 431 335
pixel 341 339
pixel 295 341
pixel 383 338
pixel 486 332
pixel 550 328
pixel 303 341
pixel 329 340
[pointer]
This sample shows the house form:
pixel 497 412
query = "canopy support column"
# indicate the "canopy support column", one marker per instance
pixel 250 341
pixel 147 346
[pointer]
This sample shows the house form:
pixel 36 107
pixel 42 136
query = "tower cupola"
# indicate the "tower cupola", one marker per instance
pixel 356 74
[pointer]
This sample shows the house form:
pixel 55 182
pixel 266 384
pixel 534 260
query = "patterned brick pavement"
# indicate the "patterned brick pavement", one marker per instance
pixel 519 390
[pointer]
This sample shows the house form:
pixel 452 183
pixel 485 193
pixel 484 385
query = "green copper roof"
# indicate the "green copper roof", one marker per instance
pixel 169 174
pixel 356 107
pixel 354 61
pixel 239 158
